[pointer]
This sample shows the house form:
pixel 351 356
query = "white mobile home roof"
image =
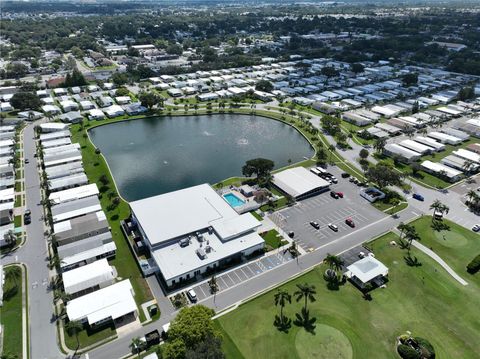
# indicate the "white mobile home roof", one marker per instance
pixel 73 180
pixel 438 167
pixel 74 253
pixel 449 111
pixel 113 302
pixel 74 193
pixel 53 126
pixel 467 155
pixel 402 151
pixel 62 158
pixel 7 194
pixel 90 275
pixel 54 135
pixel 57 142
pixel 64 170
pixel 298 181
pixel 415 146
pixel 437 146
pixel 444 138
pixel 61 149
pixel 75 208
pixel 388 128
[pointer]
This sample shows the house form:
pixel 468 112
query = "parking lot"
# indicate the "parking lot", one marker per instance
pixel 244 273
pixel 324 209
pixel 353 255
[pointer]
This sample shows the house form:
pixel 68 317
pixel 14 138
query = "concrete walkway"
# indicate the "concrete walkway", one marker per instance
pixel 440 261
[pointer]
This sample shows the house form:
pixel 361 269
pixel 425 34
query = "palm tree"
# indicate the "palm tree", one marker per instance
pixel 467 166
pixel 212 283
pixel 411 236
pixel 306 292
pixel 439 207
pixel 379 144
pixel 10 238
pixel 73 327
pixel 281 299
pixel 334 262
pixel 13 273
pixel 473 198
pixel 136 345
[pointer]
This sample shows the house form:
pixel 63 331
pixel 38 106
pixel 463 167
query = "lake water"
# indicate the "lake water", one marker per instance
pixel 151 156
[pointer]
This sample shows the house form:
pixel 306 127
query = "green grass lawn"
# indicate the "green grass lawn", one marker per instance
pixel 425 300
pixel 257 216
pixel 457 246
pixel 89 337
pixel 125 263
pixel 273 239
pixel 11 316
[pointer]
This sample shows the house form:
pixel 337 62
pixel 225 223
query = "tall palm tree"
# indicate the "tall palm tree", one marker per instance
pixel 73 327
pixel 306 292
pixel 212 283
pixel 334 262
pixel 136 345
pixel 379 144
pixel 13 273
pixel 473 197
pixel 467 166
pixel 411 236
pixel 282 297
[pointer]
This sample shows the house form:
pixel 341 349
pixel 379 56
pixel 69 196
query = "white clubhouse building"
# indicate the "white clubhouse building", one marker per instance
pixel 192 231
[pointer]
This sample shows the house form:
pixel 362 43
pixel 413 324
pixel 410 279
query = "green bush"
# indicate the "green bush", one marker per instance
pixel 474 266
pixel 427 348
pixel 407 352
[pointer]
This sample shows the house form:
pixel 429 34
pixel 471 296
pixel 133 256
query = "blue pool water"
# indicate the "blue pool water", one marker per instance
pixel 233 200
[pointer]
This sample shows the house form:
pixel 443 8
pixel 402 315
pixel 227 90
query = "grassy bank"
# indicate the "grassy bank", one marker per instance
pixel 11 315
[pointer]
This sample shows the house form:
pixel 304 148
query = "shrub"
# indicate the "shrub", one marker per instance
pixel 474 266
pixel 407 352
pixel 426 348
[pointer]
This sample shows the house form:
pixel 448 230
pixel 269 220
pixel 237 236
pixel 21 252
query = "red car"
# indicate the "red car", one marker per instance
pixel 340 194
pixel 350 222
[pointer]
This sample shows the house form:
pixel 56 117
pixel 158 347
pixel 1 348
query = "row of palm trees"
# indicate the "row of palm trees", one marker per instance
pixel 473 200
pixel 305 292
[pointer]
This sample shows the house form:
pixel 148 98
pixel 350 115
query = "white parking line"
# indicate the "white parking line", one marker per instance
pixel 201 290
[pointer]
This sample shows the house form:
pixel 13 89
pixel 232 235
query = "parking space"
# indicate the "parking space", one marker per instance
pixel 241 274
pixel 326 210
pixel 351 256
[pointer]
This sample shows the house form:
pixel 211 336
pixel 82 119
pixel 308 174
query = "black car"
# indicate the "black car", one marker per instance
pixel 27 217
pixel 334 195
pixel 315 224
pixel 291 234
pixel 345 175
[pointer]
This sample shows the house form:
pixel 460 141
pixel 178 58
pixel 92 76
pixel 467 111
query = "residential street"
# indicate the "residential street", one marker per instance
pixel 42 330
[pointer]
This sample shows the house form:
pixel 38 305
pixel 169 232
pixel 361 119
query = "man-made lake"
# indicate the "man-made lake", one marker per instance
pixel 151 156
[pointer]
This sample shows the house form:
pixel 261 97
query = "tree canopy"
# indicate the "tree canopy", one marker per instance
pixel 74 79
pixel 261 167
pixel 264 85
pixel 384 175
pixel 25 101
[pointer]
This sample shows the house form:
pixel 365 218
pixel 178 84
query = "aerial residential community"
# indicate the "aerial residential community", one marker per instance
pixel 216 180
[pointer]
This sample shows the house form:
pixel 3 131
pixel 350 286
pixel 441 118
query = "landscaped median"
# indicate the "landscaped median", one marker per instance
pixel 424 299
pixel 13 313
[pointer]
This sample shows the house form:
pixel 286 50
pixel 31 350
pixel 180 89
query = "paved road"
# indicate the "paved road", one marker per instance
pixel 42 331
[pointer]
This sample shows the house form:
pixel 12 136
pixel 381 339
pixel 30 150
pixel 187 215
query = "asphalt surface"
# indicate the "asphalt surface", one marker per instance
pixel 42 330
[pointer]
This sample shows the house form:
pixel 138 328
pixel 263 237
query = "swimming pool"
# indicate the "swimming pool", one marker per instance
pixel 233 200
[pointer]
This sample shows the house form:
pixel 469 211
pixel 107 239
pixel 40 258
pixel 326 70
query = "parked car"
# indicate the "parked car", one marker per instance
pixel 340 194
pixel 334 195
pixel 315 224
pixel 333 227
pixel 418 197
pixel 192 295
pixel 27 160
pixel 27 217
pixel 291 234
pixel 476 228
pixel 350 222
pixel 361 255
pixel 334 179
pixel 345 175
pixel 352 179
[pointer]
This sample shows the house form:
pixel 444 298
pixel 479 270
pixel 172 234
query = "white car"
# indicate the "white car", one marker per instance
pixel 333 227
pixel 476 228
pixel 192 295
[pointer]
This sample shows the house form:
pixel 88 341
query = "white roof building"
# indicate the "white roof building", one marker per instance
pixel 366 270
pixel 440 169
pixel 53 127
pixel 96 114
pixel 95 274
pixel 74 193
pixel 113 111
pixel 109 303
pixel 192 229
pixel 299 182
